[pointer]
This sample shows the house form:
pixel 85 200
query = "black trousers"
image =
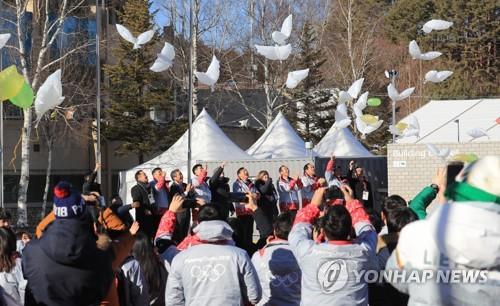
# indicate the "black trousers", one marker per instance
pixel 246 222
pixel 182 225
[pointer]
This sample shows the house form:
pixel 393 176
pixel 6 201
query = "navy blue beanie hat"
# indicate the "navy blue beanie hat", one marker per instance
pixel 68 203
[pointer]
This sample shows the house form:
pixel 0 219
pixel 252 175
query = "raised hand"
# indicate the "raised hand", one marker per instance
pixel 176 203
pixel 348 193
pixel 134 228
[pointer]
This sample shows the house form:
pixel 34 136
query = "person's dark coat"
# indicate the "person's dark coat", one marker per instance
pixel 140 193
pixel 359 185
pixel 184 217
pixel 220 189
pixel 65 267
pixel 91 185
pixel 268 199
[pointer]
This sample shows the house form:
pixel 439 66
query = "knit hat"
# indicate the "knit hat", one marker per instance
pixel 68 203
pixel 485 174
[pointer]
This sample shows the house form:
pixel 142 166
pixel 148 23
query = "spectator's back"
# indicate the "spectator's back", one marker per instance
pixel 211 273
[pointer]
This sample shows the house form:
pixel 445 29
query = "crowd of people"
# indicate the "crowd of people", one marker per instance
pixel 319 238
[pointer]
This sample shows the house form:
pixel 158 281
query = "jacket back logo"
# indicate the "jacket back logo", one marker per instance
pixel 210 272
pixel 332 275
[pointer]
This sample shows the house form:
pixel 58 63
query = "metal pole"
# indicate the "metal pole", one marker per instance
pixel 393 81
pixel 190 106
pixel 98 80
pixel 252 61
pixel 1 140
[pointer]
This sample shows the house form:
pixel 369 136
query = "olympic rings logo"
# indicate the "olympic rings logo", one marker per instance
pixel 287 280
pixel 211 272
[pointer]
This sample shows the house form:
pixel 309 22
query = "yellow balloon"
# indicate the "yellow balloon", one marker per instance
pixel 369 119
pixel 401 126
pixel 466 158
pixel 11 83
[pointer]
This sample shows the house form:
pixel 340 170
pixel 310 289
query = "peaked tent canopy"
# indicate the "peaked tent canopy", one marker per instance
pixel 341 142
pixel 208 143
pixel 278 141
pixel 437 120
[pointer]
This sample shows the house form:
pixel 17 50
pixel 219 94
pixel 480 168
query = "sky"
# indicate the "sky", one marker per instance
pixel 160 18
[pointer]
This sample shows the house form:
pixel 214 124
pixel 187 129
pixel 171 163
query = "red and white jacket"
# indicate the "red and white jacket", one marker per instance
pixel 288 192
pixel 201 188
pixel 310 184
pixel 243 187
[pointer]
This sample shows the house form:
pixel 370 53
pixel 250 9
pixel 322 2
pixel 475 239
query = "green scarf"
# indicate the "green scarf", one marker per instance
pixel 463 192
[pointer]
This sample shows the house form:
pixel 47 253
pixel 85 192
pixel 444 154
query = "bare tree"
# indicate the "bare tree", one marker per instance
pixel 207 16
pixel 348 41
pixel 48 17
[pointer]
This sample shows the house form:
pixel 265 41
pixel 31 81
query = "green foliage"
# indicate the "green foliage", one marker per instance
pixel 469 47
pixel 135 90
pixel 311 111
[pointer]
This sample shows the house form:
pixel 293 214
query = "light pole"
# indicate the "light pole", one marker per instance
pixel 98 80
pixel 190 106
pixel 392 75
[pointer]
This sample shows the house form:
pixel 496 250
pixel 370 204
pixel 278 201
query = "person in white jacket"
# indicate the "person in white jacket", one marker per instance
pixel 11 274
pixel 329 269
pixel 277 267
pixel 457 247
pixel 211 270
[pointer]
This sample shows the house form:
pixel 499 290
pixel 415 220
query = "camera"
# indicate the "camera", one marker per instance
pixel 333 193
pixel 238 197
pixel 189 202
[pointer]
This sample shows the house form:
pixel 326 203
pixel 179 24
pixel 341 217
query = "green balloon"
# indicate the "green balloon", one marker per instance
pixel 24 98
pixel 374 102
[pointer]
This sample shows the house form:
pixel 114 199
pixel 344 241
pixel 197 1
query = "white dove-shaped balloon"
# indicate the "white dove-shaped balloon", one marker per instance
pixel 212 75
pixel 441 153
pixel 49 94
pixel 360 104
pixel 402 129
pixel 3 39
pixel 365 128
pixel 280 37
pixel 138 41
pixel 477 133
pixel 415 52
pixel 394 95
pixel 342 120
pixel 164 59
pixel 413 127
pixel 295 77
pixel 435 76
pixel 275 53
pixel 352 92
pixel 436 25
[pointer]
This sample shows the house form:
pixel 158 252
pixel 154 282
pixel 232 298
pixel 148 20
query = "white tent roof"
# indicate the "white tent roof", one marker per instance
pixel 341 142
pixel 437 120
pixel 208 143
pixel 278 141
